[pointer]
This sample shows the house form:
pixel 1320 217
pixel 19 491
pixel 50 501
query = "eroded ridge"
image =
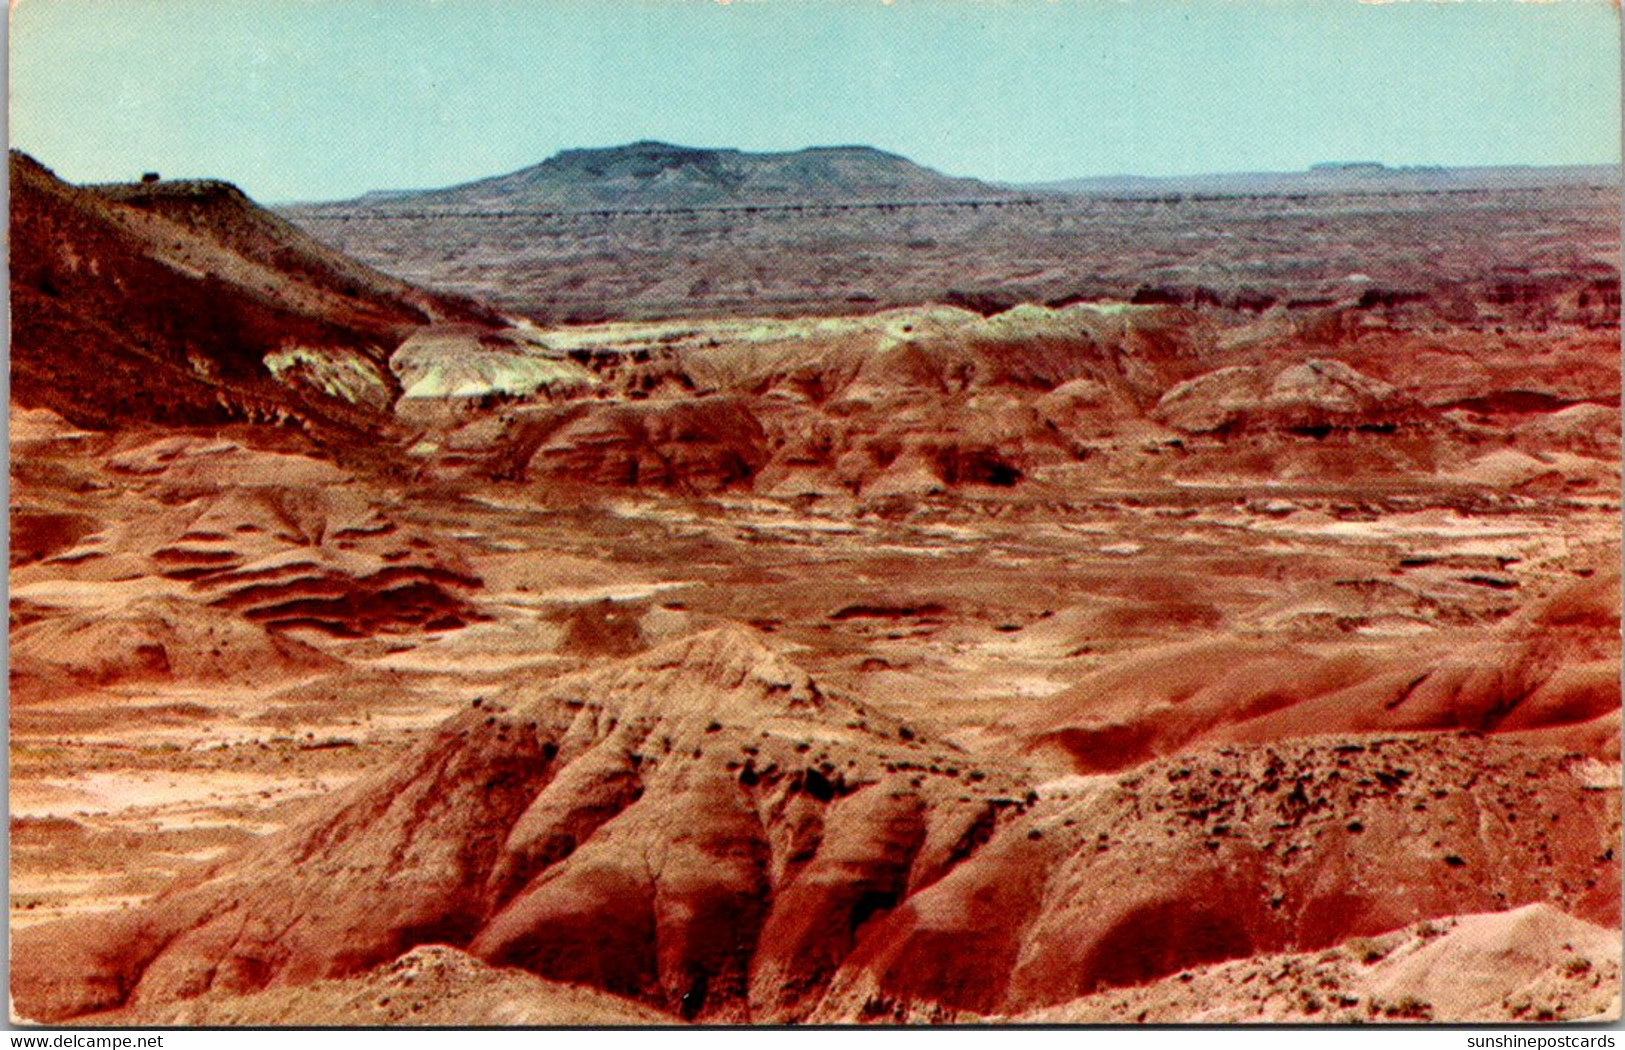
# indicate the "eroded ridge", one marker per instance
pixel 1122 654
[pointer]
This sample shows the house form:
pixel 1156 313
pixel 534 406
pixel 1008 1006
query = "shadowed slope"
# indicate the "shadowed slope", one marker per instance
pixel 185 303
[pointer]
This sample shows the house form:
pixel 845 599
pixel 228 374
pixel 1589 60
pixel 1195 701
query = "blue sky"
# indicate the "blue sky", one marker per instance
pixel 315 99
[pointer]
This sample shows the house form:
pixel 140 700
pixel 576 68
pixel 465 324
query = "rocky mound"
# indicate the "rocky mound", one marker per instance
pixel 185 303
pixel 154 639
pixel 662 829
pixel 29 428
pixel 44 520
pixel 39 530
pixel 1586 428
pixel 1236 852
pixel 907 404
pixel 175 465
pixel 703 828
pixel 1317 396
pixel 223 214
pixel 431 986
pixel 278 537
pixel 469 369
pixel 1529 964
pixel 700 444
pixel 322 558
pixel 1553 667
pixel 903 403
pixel 1137 350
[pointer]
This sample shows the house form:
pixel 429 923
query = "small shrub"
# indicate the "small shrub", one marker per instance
pixel 1366 949
pixel 1412 1008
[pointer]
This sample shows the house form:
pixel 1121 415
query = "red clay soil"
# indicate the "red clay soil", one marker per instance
pixel 160 304
pixel 935 664
pixel 703 859
pixel 1552 667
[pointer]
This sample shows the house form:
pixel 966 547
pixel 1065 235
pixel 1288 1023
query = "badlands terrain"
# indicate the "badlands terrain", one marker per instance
pixel 652 231
pixel 1220 624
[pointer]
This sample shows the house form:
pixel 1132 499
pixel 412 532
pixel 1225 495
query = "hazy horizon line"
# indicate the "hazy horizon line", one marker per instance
pixel 1330 165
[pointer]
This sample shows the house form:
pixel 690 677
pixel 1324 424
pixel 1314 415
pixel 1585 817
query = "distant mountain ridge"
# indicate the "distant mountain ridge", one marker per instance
pixel 661 175
pixel 1333 178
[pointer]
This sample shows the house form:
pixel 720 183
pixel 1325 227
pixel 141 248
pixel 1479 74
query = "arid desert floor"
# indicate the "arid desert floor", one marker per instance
pixel 382 656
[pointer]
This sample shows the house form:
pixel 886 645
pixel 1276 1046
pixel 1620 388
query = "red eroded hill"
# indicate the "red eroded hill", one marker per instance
pixel 706 829
pixel 186 303
pixel 1551 671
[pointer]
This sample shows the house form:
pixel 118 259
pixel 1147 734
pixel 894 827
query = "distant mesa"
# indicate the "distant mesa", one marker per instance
pixel 1375 167
pixel 1333 177
pixel 1351 167
pixel 662 175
